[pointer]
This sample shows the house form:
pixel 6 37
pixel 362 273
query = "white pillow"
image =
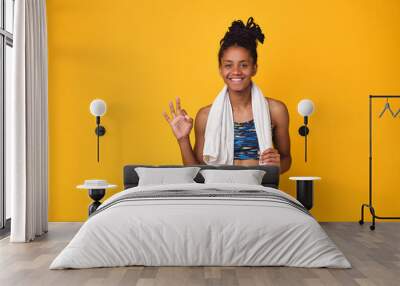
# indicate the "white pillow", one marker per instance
pixel 249 177
pixel 163 176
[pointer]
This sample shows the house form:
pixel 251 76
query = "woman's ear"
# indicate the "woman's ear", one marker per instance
pixel 220 69
pixel 255 67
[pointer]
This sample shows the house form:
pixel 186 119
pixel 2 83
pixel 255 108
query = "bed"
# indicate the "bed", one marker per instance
pixel 201 224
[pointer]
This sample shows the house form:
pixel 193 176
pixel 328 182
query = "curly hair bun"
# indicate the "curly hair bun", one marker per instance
pixel 242 35
pixel 239 29
pixel 255 30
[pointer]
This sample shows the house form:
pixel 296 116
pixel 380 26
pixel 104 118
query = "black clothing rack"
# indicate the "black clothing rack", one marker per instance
pixel 369 205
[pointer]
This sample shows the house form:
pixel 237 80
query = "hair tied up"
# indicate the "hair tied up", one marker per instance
pixel 246 36
pixel 255 30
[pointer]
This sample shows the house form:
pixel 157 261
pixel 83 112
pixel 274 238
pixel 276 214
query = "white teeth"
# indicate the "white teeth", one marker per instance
pixel 236 79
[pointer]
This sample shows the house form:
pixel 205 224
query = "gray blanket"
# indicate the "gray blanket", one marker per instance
pixel 203 194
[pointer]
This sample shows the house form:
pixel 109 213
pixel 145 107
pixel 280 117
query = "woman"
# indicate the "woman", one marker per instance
pixel 237 65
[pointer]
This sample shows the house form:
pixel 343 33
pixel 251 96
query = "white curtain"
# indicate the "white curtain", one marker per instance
pixel 26 123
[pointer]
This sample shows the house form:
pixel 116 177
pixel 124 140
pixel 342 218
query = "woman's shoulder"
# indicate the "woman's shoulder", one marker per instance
pixel 202 116
pixel 276 104
pixel 278 110
pixel 204 111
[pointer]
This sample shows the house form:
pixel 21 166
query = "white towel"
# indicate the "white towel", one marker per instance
pixel 219 134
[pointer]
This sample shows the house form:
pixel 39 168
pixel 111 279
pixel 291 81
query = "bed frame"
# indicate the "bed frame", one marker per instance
pixel 271 178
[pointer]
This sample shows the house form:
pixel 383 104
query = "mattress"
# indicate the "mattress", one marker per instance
pixel 201 225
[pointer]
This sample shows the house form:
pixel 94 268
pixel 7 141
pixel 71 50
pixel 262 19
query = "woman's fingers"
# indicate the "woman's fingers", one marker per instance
pixel 178 110
pixel 172 109
pixel 184 113
pixel 270 155
pixel 177 117
pixel 166 117
pixel 269 151
pixel 180 123
pixel 178 105
pixel 270 161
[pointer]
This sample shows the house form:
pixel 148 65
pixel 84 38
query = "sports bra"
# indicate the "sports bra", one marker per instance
pixel 245 141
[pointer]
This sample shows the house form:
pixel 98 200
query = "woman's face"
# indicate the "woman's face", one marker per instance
pixel 237 68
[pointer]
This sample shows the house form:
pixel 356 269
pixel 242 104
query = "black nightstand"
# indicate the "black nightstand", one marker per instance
pixel 305 190
pixel 97 190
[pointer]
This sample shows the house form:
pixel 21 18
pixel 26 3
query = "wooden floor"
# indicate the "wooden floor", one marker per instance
pixel 375 256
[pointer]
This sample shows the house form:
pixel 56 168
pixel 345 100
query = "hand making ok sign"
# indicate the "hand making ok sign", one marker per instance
pixel 181 124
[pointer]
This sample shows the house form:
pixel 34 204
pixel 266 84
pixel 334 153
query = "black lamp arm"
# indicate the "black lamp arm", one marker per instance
pixel 100 131
pixel 303 131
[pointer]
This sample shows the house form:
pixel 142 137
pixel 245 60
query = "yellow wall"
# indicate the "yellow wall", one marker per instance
pixel 138 55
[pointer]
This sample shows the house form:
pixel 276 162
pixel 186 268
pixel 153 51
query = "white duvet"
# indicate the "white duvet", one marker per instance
pixel 205 231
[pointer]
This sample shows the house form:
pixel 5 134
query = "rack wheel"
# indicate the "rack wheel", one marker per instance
pixel 372 227
pixel 361 222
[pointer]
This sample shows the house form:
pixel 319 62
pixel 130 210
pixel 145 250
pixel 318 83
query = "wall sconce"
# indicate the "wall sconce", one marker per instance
pixel 98 108
pixel 305 109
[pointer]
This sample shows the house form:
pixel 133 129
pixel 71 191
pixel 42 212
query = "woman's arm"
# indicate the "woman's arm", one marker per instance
pixel 281 136
pixel 181 125
pixel 199 132
pixel 281 155
pixel 188 156
pixel 195 156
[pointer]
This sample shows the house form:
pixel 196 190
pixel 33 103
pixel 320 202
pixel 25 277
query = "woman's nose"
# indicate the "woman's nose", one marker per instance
pixel 236 70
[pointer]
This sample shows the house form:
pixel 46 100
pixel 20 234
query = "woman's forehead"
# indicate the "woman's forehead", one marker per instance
pixel 236 54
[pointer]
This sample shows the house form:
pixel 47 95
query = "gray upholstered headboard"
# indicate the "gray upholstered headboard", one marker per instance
pixel 271 178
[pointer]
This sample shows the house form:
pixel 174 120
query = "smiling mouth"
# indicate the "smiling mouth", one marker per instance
pixel 236 80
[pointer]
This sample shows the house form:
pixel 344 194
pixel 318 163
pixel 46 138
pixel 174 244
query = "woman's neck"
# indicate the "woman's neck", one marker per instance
pixel 240 99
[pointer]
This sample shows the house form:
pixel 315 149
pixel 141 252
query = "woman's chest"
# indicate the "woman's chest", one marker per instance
pixel 247 115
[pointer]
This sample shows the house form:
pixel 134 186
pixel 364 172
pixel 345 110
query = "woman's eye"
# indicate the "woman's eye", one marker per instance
pixel 227 66
pixel 244 65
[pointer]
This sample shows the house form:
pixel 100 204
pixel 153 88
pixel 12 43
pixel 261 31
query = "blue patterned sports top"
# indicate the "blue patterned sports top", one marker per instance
pixel 245 142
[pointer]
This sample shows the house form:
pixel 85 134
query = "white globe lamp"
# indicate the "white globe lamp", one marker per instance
pixel 98 108
pixel 305 109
